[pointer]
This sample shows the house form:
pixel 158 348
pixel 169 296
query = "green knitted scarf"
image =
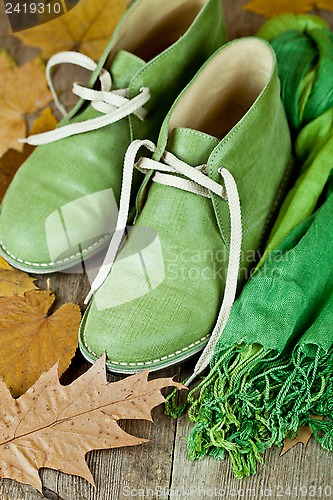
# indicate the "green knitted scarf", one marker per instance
pixel 272 370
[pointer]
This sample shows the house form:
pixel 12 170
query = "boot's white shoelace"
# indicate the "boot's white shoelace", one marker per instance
pixel 114 104
pixel 199 183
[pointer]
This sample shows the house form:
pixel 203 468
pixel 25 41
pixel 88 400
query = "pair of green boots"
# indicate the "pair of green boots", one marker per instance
pixel 200 212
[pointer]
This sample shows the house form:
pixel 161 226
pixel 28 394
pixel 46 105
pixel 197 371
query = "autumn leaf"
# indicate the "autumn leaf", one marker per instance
pixel 4 266
pixel 23 91
pixel 46 121
pixel 324 4
pixel 275 7
pixel 54 426
pixel 6 62
pixel 14 282
pixel 303 435
pixel 32 341
pixel 86 28
pixel 10 162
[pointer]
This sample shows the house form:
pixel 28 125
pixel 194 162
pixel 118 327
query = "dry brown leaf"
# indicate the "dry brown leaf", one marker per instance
pixel 303 435
pixel 10 162
pixel 86 28
pixel 54 426
pixel 275 7
pixel 14 282
pixel 31 341
pixel 23 91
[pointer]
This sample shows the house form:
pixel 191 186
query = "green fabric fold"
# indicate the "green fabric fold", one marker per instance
pixel 272 370
pixel 305 60
pixel 273 366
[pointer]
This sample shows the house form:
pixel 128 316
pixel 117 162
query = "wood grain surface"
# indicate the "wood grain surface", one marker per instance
pixel 161 469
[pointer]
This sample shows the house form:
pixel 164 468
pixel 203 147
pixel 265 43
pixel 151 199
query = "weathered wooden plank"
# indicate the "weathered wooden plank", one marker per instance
pixel 300 473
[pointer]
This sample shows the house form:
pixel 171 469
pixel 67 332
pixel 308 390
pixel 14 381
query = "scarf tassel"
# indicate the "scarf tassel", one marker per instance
pixel 253 398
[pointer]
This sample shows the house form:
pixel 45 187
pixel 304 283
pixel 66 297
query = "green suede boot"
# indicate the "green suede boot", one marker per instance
pixel 62 205
pixel 225 144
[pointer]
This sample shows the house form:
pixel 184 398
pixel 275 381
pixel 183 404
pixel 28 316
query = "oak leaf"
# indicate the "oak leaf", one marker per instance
pixel 276 7
pixel 23 91
pixel 31 341
pixel 86 28
pixel 303 436
pixel 54 426
pixel 14 282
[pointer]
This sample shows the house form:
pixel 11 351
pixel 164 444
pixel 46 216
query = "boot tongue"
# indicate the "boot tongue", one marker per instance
pixel 123 67
pixel 191 146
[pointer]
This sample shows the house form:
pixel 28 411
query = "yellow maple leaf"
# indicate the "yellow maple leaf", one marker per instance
pixel 32 342
pixel 4 266
pixel 14 282
pixel 23 91
pixel 46 121
pixel 6 62
pixel 10 162
pixel 275 7
pixel 324 4
pixel 86 28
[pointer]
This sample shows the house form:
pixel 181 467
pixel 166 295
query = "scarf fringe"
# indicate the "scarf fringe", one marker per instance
pixel 253 398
